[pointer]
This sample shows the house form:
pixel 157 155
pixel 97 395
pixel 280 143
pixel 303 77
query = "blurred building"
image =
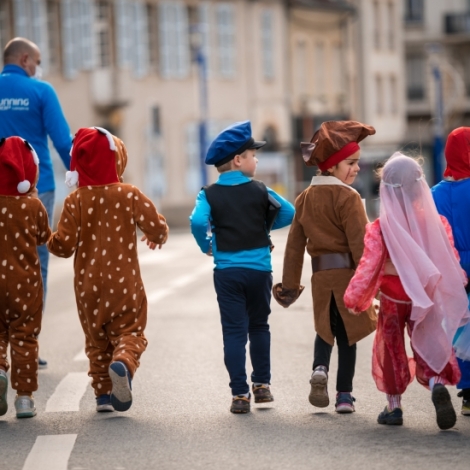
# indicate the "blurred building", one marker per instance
pixel 128 65
pixel 437 48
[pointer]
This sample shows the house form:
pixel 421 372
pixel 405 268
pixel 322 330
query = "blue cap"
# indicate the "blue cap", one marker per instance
pixel 232 141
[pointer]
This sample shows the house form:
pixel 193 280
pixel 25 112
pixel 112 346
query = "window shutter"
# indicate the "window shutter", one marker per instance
pixel 124 29
pixel 182 41
pixel 20 10
pixel 165 32
pixel 69 58
pixel 39 31
pixel 226 39
pixel 141 40
pixel 205 31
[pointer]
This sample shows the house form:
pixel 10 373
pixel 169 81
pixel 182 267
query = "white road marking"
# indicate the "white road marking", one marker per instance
pixel 50 452
pixel 68 393
pixel 81 356
pixel 179 282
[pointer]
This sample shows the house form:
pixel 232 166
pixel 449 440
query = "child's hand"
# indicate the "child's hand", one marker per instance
pixel 150 244
pixel 209 251
pixel 34 192
pixel 350 310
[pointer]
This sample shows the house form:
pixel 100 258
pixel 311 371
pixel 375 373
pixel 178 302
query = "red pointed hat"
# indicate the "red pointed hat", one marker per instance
pixel 19 167
pixel 93 160
pixel 457 153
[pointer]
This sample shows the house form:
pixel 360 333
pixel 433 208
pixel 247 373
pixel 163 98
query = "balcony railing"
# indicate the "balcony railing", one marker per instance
pixel 457 23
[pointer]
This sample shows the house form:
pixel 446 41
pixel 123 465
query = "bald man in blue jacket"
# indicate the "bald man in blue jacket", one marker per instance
pixel 29 108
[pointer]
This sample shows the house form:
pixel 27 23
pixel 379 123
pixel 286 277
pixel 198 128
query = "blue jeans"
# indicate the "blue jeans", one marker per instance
pixel 47 199
pixel 244 297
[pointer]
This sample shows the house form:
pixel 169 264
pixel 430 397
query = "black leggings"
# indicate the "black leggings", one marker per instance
pixel 346 353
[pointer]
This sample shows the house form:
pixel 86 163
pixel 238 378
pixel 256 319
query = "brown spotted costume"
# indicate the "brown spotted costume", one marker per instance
pixel 23 226
pixel 98 226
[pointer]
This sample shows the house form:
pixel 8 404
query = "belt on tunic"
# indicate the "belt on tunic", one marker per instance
pixel 332 261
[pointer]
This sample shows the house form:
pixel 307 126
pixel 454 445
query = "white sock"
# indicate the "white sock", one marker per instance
pixel 246 395
pixel 394 401
pixel 435 380
pixel 257 384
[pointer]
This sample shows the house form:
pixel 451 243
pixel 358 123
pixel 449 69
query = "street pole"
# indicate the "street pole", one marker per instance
pixel 204 112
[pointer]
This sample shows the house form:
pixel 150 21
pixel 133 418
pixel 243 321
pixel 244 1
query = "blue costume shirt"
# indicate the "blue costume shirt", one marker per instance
pixel 258 258
pixel 30 109
pixel 452 199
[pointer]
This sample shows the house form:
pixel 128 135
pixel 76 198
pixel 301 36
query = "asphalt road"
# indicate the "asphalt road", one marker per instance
pixel 180 417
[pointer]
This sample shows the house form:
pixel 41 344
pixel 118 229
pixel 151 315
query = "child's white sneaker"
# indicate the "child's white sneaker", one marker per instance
pixel 24 406
pixel 319 388
pixel 3 392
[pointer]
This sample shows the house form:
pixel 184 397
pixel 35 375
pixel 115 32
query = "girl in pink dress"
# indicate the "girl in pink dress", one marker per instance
pixel 409 256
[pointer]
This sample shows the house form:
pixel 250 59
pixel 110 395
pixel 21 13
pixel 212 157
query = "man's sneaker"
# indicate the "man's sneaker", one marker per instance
pixel 240 404
pixel 344 403
pixel 391 417
pixel 262 393
pixel 103 403
pixel 121 394
pixel 465 402
pixel 24 406
pixel 319 388
pixel 3 392
pixel 42 363
pixel 445 413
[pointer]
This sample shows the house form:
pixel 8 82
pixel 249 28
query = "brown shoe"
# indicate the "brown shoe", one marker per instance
pixel 262 394
pixel 240 404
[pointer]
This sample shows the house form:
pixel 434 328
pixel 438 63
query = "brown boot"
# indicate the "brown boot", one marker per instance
pixel 262 394
pixel 240 404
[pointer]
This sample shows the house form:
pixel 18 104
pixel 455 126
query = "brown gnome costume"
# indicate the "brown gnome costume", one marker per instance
pixel 23 226
pixel 330 223
pixel 98 226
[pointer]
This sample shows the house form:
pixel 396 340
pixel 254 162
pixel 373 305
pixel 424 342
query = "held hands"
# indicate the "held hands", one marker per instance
pixel 150 244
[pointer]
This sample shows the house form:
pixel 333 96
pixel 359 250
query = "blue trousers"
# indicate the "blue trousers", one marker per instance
pixel 47 199
pixel 244 297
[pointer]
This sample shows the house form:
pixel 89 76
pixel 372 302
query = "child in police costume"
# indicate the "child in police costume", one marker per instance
pixel 98 227
pixel 452 199
pixel 23 226
pixel 330 221
pixel 236 207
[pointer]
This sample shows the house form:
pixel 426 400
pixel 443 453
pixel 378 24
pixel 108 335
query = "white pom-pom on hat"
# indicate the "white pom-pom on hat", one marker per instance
pixel 71 178
pixel 24 186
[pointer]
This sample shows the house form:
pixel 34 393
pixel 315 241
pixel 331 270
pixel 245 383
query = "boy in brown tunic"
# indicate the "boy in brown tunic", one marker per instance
pixel 330 221
pixel 98 226
pixel 23 226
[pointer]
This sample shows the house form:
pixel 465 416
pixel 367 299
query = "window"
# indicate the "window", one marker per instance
pixel 393 95
pixel 337 72
pixel 414 11
pixel 30 19
pixel 5 27
pixel 466 68
pixel 204 18
pixel 301 68
pixel 103 34
pixel 320 68
pixel 140 40
pixel 78 18
pixel 267 43
pixel 377 25
pixel 225 16
pixel 193 162
pixel 379 95
pixel 391 26
pixel 415 72
pixel 174 39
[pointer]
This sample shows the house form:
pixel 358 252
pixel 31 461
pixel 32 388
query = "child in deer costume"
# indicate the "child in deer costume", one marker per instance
pixel 330 222
pixel 23 226
pixel 452 198
pixel 409 256
pixel 98 226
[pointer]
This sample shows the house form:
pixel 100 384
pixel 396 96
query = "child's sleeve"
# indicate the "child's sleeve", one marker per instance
pixel 366 280
pixel 286 212
pixel 147 218
pixel 199 221
pixel 42 223
pixel 450 236
pixel 64 241
pixel 290 289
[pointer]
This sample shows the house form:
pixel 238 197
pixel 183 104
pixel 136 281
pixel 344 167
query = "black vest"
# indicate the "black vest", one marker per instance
pixel 239 215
